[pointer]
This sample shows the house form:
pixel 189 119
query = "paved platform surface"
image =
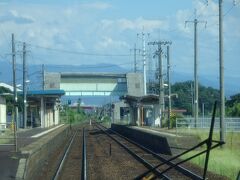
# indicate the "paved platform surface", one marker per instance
pixel 9 159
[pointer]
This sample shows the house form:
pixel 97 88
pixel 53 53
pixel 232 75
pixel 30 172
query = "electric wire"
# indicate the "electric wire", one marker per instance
pixel 75 52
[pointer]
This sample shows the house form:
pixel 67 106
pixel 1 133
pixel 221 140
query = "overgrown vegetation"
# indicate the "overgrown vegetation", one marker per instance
pixel 207 95
pixel 72 116
pixel 224 161
pixel 233 106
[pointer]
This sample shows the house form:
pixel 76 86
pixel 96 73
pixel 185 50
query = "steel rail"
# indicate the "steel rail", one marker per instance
pixel 143 161
pixel 60 166
pixel 179 168
pixel 84 158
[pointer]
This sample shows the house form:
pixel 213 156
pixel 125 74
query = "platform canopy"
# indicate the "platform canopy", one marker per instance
pixel 51 92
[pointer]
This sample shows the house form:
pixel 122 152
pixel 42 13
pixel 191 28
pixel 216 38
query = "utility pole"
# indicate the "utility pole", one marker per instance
pixel 221 72
pixel 169 85
pixel 144 62
pixel 135 57
pixel 144 65
pixel 15 92
pixel 195 67
pixel 24 87
pixel 160 76
pixel 14 79
pixel 192 98
pixel 43 77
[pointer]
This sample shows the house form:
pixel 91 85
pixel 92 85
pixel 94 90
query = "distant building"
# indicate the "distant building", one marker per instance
pixel 7 86
pixel 143 110
pixel 120 112
pixel 2 112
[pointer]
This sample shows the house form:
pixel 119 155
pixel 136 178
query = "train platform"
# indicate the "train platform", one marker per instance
pixel 9 159
pixel 158 139
pixel 177 142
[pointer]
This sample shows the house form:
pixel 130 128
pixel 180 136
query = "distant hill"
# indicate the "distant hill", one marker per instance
pixel 231 83
pixel 35 75
pixel 86 68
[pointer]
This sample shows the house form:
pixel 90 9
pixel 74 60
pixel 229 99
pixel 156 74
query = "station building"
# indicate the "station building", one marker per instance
pixel 143 110
pixel 43 108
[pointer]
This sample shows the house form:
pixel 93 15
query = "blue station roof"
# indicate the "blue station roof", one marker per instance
pixel 58 92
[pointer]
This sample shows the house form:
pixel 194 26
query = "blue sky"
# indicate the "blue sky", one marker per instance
pixel 111 27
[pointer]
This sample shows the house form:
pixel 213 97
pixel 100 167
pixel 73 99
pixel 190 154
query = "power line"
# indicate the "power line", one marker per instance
pixel 5 36
pixel 89 66
pixel 201 9
pixel 29 75
pixel 229 10
pixel 76 52
pixel 225 14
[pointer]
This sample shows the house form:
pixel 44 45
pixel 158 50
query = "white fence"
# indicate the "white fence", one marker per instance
pixel 231 124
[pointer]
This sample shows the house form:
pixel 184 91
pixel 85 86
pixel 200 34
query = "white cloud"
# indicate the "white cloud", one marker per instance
pixel 14 16
pixel 108 42
pixel 232 27
pixel 181 17
pixel 138 24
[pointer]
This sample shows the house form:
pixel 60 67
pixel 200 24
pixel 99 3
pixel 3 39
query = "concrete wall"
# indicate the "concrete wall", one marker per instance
pixel 38 153
pixel 135 84
pixel 49 118
pixel 3 112
pixel 156 143
pixel 52 80
pixel 117 106
pixel 49 115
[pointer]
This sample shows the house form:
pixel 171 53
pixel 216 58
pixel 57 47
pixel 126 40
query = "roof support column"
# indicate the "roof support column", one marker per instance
pixel 138 115
pixel 42 109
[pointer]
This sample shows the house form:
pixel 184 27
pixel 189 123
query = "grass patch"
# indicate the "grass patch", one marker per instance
pixel 224 161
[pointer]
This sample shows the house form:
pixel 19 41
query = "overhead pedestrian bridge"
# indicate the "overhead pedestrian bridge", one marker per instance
pixel 94 84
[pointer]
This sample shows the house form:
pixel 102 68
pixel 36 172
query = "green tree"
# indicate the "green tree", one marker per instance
pixel 184 90
pixel 184 100
pixel 233 106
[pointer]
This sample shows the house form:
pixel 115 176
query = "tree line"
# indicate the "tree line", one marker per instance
pixel 206 98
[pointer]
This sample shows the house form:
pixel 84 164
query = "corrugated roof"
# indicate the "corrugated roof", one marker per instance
pixel 8 87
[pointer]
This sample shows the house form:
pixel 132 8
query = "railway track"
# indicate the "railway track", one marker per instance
pixel 73 162
pixel 149 158
pixel 96 152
